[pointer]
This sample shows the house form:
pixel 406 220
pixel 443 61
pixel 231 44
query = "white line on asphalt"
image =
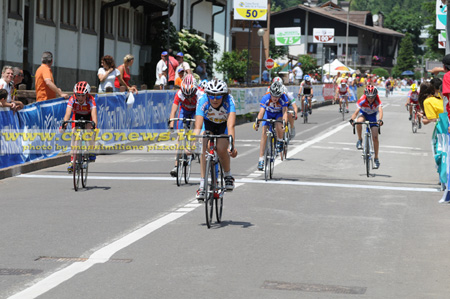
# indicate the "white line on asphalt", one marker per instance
pixel 239 182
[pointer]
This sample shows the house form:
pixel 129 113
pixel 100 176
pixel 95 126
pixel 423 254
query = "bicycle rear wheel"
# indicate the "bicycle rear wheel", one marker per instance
pixel 77 171
pixel 305 115
pixel 84 171
pixel 210 187
pixel 414 122
pixel 187 167
pixel 343 110
pixel 367 154
pixel 221 187
pixel 179 168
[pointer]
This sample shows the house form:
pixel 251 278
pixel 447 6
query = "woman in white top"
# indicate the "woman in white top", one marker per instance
pixel 107 74
pixel 6 82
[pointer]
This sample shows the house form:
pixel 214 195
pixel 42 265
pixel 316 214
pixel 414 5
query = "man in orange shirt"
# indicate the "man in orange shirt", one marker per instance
pixel 45 84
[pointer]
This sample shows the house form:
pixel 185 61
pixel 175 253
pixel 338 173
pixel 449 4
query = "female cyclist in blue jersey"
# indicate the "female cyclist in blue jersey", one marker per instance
pixel 273 106
pixel 216 113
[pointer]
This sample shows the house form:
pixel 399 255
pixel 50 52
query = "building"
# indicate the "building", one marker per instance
pixel 369 44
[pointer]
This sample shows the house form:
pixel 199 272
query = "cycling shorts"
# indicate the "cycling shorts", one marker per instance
pixel 81 117
pixel 269 115
pixel 215 128
pixel 183 114
pixel 369 117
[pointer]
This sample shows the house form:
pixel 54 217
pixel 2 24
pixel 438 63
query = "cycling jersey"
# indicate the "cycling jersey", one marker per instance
pixel 82 109
pixel 216 115
pixel 343 90
pixel 413 96
pixel 188 104
pixel 307 88
pixel 368 108
pixel 274 107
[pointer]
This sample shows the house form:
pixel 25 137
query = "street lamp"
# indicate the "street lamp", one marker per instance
pixel 260 34
pixel 346 38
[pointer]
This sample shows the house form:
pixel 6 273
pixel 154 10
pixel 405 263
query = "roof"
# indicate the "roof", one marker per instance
pixel 343 19
pixel 355 16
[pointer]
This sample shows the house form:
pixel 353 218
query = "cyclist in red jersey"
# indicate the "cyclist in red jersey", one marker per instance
pixel 342 94
pixel 185 98
pixel 82 104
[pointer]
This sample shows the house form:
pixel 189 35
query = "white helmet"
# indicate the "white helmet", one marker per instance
pixel 216 87
pixel 276 89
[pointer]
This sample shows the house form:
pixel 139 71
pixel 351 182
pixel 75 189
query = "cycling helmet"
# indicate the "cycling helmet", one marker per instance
pixel 371 92
pixel 307 78
pixel 82 87
pixel 413 87
pixel 203 83
pixel 276 89
pixel 216 86
pixel 188 86
pixel 277 79
pixel 344 81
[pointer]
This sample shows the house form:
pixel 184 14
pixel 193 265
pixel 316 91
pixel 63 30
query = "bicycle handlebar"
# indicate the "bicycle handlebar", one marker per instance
pixel 80 121
pixel 185 120
pixel 211 136
pixel 367 123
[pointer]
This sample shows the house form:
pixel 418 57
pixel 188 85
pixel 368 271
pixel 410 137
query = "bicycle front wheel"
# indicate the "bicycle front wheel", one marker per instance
pixel 219 200
pixel 305 115
pixel 77 171
pixel 84 172
pixel 272 156
pixel 267 156
pixel 414 122
pixel 187 167
pixel 179 168
pixel 210 187
pixel 367 154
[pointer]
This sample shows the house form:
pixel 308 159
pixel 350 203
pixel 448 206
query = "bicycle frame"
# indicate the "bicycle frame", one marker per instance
pixel 414 118
pixel 184 159
pixel 368 148
pixel 269 151
pixel 305 105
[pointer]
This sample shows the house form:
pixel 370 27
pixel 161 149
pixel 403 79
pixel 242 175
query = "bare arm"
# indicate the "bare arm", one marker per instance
pixel 231 122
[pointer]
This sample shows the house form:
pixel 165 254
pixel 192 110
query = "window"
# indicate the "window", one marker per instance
pixel 44 12
pixel 15 9
pixel 88 16
pixel 68 14
pixel 123 24
pixel 109 22
pixel 139 35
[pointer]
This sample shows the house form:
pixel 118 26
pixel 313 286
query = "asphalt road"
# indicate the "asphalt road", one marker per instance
pixel 320 229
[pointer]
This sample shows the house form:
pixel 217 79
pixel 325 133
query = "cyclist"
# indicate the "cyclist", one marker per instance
pixel 368 106
pixel 83 106
pixel 342 94
pixel 306 89
pixel 216 113
pixel 186 98
pixel 292 106
pixel 273 106
pixel 413 98
pixel 202 85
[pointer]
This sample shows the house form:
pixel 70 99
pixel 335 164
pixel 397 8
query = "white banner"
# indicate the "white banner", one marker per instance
pixel 250 10
pixel 441 15
pixel 323 35
pixel 287 36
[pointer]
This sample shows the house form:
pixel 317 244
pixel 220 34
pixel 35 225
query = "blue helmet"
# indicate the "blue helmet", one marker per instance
pixel 307 78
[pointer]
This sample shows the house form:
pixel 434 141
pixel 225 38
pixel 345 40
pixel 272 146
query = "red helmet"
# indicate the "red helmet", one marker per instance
pixel 188 86
pixel 82 87
pixel 344 81
pixel 371 92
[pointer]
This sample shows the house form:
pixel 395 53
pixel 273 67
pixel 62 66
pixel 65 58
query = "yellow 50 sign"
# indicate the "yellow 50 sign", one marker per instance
pixel 252 14
pixel 250 10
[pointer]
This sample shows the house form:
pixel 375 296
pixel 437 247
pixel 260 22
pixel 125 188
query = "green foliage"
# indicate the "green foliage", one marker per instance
pixel 381 72
pixel 309 64
pixel 406 60
pixel 277 51
pixel 233 65
pixel 432 52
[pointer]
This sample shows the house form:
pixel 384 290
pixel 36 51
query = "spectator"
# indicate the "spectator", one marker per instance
pixel 327 78
pixel 172 65
pixel 44 82
pixel 107 74
pixel 125 76
pixel 431 105
pixel 265 76
pixel 180 76
pixel 201 70
pixel 161 67
pixel 182 65
pixel 18 78
pixel 298 73
pixel 6 82
pixel 291 77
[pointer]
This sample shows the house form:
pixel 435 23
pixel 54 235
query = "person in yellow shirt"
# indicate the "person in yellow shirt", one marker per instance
pixel 431 105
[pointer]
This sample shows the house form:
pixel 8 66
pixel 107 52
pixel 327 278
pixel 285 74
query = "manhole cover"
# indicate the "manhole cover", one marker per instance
pixel 320 288
pixel 19 271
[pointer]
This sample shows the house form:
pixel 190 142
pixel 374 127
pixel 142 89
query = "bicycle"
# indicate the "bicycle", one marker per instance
pixel 343 100
pixel 305 106
pixel 80 153
pixel 368 149
pixel 414 117
pixel 214 179
pixel 184 156
pixel 287 134
pixel 270 152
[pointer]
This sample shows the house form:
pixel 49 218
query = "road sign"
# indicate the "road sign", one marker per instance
pixel 269 63
pixel 250 10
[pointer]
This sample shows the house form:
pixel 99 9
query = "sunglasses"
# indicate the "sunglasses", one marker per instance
pixel 80 94
pixel 215 97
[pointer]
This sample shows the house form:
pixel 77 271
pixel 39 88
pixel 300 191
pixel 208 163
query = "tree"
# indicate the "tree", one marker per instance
pixel 406 60
pixel 381 72
pixel 277 51
pixel 433 51
pixel 309 64
pixel 233 65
